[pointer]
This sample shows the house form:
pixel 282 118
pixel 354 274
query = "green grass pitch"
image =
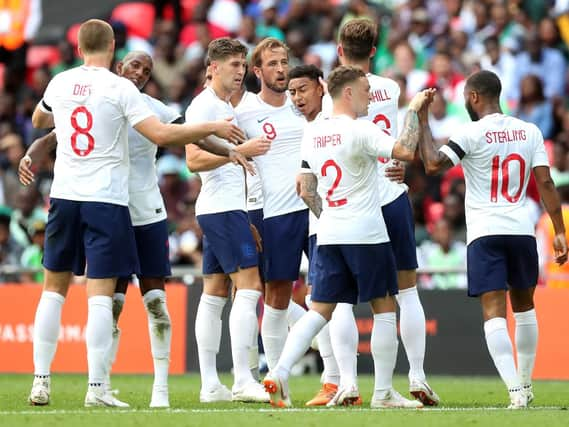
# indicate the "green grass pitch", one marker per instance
pixel 466 402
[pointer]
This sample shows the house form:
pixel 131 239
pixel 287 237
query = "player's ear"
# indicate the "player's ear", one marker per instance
pixel 340 50
pixel 257 72
pixel 373 51
pixel 119 67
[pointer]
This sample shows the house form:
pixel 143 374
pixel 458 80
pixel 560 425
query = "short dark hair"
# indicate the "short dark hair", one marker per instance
pixel 358 38
pixel 311 72
pixel 341 76
pixel 223 48
pixel 486 83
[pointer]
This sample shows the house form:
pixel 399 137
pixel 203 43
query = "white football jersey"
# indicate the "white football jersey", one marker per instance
pixel 254 187
pixel 343 153
pixel 497 153
pixel 92 109
pixel 145 201
pixel 383 111
pixel 223 188
pixel 277 168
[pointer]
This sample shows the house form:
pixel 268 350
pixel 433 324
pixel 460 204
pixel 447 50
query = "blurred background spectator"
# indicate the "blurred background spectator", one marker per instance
pixel 420 43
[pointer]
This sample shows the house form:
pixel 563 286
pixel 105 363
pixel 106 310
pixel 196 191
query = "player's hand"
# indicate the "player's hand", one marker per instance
pixel 255 147
pixel 422 98
pixel 257 237
pixel 396 172
pixel 24 170
pixel 239 159
pixel 226 130
pixel 560 248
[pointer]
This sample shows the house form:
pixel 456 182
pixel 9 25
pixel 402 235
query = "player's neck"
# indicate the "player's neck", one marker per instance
pixel 364 65
pixel 491 109
pixel 97 60
pixel 276 99
pixel 217 86
pixel 340 109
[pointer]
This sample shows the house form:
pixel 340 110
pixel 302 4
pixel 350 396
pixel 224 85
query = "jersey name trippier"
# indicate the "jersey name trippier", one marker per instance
pixel 145 201
pixel 92 110
pixel 278 168
pixel 382 110
pixel 497 153
pixel 343 153
pixel 223 188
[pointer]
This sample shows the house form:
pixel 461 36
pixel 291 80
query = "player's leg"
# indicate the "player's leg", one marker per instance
pixel 153 254
pixel 118 303
pixel 243 328
pixel 46 332
pixel 285 238
pixel 110 251
pixel 487 275
pixel 398 216
pixel 522 277
pixel 208 336
pixel 160 332
pixel 62 255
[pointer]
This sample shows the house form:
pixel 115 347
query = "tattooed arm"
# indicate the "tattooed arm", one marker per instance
pixel 435 161
pixel 405 147
pixel 308 184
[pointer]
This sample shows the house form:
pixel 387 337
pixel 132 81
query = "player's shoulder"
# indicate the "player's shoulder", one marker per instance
pixel 249 104
pixel 381 82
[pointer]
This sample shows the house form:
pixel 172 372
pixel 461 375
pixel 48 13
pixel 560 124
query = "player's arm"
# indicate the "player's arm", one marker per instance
pixel 552 205
pixel 435 161
pixel 42 117
pixel 35 153
pixel 199 160
pixel 307 184
pixel 405 147
pixel 182 134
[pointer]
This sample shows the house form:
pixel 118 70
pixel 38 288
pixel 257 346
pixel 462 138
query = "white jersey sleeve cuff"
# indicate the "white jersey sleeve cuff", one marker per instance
pixel 450 154
pixel 44 107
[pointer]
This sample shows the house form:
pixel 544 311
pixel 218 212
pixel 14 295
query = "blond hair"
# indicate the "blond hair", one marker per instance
pixel 269 43
pixel 95 36
pixel 341 76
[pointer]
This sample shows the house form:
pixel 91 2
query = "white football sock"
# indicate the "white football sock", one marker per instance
pixel 384 351
pixel 242 321
pixel 274 330
pixel 160 331
pixel 254 350
pixel 46 331
pixel 526 344
pixel 500 347
pixel 331 374
pixel 412 325
pixel 293 313
pixel 344 337
pixel 298 341
pixel 118 303
pixel 208 338
pixel 99 337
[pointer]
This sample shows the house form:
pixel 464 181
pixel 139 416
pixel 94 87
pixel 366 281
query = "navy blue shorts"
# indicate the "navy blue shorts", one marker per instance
pixel 256 218
pixel 153 249
pixel 96 233
pixel 496 262
pixel 286 237
pixel 354 273
pixel 398 217
pixel 228 243
pixel 311 258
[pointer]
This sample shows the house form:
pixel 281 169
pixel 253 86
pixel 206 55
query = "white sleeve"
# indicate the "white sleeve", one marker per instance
pixel 304 154
pixel 327 105
pixel 134 107
pixel 373 140
pixel 198 112
pixel 46 102
pixel 539 157
pixel 165 114
pixel 459 145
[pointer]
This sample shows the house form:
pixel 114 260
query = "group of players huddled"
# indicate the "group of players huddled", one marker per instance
pixel 305 165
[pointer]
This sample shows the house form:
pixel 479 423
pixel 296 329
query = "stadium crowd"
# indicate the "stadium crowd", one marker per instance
pixel 434 43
